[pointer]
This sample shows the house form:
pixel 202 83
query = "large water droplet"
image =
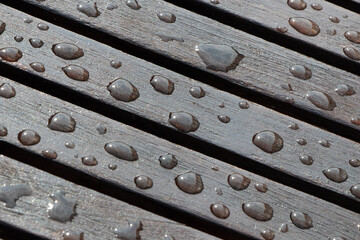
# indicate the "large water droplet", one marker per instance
pixel 306 159
pixel 133 4
pixel 316 6
pixel 42 26
pixel 3 131
pixel 353 36
pixel 321 100
pixel 261 187
pixel 220 210
pixel 18 38
pixel 345 90
pixel 89 161
pixel 88 8
pixel 62 122
pixel 224 118
pixel 162 85
pixel 238 181
pixel 352 53
pixel 258 210
pixel 36 43
pixel 10 54
pixel 38 67
pixel 301 220
pixel 267 234
pixel 61 209
pixel 244 105
pixel 51 154
pixel 28 137
pixel 297 4
pixel 121 150
pixel 355 190
pixel 168 161
pixel 9 194
pixel 7 91
pixel 305 26
pixel 76 72
pixel 67 51
pixel 183 121
pixel 300 71
pixel 130 232
pixel 166 17
pixel 336 174
pixel 353 162
pixel 143 182
pixel 219 57
pixel 123 90
pixel 190 183
pixel 268 141
pixel 197 92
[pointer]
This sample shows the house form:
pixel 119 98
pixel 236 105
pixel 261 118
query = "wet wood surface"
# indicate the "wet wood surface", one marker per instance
pixel 265 66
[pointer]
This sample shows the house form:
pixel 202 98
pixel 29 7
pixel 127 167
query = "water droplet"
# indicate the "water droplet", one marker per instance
pixel 220 210
pixel 28 137
pixel 353 162
pixel 7 91
pixel 168 161
pixel 61 209
pixel 355 190
pixel 38 67
pixel 70 145
pixel 261 187
pixel 115 64
pixel 222 105
pixel 89 161
pixel 111 6
pixel 166 37
pixel 27 20
pixel 162 85
pixel 284 228
pixel 304 26
pixel 287 87
pixel 219 57
pixel 334 19
pixel 215 168
pixel 336 174
pixel 121 151
pixel 190 183
pixel 344 90
pixel 258 210
pixel 67 51
pixel 214 2
pixel 9 194
pixel 166 17
pixel 331 32
pixel 321 100
pixel 62 122
pixel 297 4
pixel 184 122
pixel 244 105
pixel 353 36
pixel 300 71
pixel 324 143
pixel 352 53
pixel 3 131
pixel 238 181
pixel 293 126
pixel 10 54
pixel 289 100
pixel 18 38
pixel 88 8
pixel 301 141
pixel 2 27
pixel 316 6
pixel 267 234
pixel 112 166
pixel 301 220
pixel 36 43
pixel 71 235
pixel 123 90
pixel 42 26
pixel 337 238
pixel 306 159
pixel 223 118
pixel 218 191
pixel 143 182
pixel 197 92
pixel 130 232
pixel 355 120
pixel 101 128
pixel 281 29
pixel 133 4
pixel 268 141
pixel 51 154
pixel 76 72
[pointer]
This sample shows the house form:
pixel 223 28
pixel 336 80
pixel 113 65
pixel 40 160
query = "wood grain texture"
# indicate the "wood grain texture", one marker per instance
pixel 96 214
pixel 264 68
pixel 31 109
pixel 235 136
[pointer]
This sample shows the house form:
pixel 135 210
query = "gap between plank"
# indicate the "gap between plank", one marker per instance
pixel 10 232
pixel 348 4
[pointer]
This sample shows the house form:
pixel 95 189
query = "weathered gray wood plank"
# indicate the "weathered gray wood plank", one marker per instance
pixel 265 67
pixel 96 214
pixel 235 136
pixel 31 109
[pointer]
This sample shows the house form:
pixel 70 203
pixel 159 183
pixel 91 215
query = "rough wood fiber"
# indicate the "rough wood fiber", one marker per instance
pixel 31 109
pixel 264 68
pixel 235 136
pixel 96 214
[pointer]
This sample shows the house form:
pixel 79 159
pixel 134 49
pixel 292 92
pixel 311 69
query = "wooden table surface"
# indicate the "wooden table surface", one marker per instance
pixel 192 119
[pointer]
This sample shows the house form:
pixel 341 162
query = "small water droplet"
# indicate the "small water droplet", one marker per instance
pixel 143 182
pixel 297 4
pixel 306 159
pixel 121 151
pixel 18 38
pixel 167 38
pixel 10 54
pixel 36 43
pixel 76 72
pixel 355 120
pixel 162 85
pixel 301 72
pixel 293 126
pixel 190 183
pixel 355 190
pixel 214 2
pixel 316 6
pixel 244 105
pixel 70 145
pixel 42 26
pixel 28 137
pixel 324 143
pixel 287 87
pixel 197 92
pixel 336 174
pixel 353 36
pixel 281 29
pixel 133 4
pixel 222 105
pixel 301 141
pixel 166 17
pixel 258 210
pixel 123 90
pixel 101 128
pixel 220 210
pixel 111 6
pixel 261 187
pixel 301 220
pixel 71 235
pixel 38 67
pixel 321 100
pixel 352 53
pixel 168 161
pixel 345 90
pixel 334 19
pixel 67 51
pixel 27 20
pixel 305 26
pixel 289 100
pixel 9 194
pixel 337 238
pixel 88 8
pixel 7 91
pixel 89 161
pixel 268 141
pixel 51 154
pixel 267 234
pixel 218 191
pixel 238 181
pixel 115 64
pixel 62 122
pixel 112 166
pixel 223 118
pixel 353 162
pixel 219 57
pixel 184 122
pixel 284 228
pixel 3 131
pixel 61 209
pixel 215 168
pixel 331 32
pixel 130 232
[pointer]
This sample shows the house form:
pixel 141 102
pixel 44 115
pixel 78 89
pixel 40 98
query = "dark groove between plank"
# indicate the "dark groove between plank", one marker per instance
pixel 123 194
pixel 10 232
pixel 348 4
pixel 174 136
pixel 184 69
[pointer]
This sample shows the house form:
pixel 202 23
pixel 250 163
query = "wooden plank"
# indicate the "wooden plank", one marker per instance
pixel 235 136
pixel 265 67
pixel 96 214
pixel 31 110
